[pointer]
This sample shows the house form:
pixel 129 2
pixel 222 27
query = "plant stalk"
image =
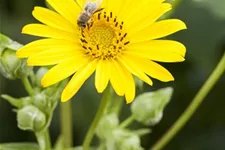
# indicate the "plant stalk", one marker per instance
pixel 100 112
pixel 66 124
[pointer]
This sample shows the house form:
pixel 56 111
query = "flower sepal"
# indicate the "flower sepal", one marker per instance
pixel 17 102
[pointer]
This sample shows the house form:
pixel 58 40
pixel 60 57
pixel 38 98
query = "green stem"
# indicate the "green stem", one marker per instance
pixel 27 86
pixel 43 139
pixel 100 112
pixel 208 85
pixel 117 104
pixel 142 132
pixel 127 122
pixel 66 124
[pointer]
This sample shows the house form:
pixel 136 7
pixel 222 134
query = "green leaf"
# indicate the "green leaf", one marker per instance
pixel 19 146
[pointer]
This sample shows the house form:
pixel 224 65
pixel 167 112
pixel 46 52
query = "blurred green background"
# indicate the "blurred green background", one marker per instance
pixel 205 42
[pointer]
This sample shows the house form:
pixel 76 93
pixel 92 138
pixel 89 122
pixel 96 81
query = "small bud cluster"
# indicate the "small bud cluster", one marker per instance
pixel 34 112
pixel 147 109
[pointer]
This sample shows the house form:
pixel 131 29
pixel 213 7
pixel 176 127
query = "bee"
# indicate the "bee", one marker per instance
pixel 90 8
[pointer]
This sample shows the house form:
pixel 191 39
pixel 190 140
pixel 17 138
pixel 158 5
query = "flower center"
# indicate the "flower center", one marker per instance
pixel 103 37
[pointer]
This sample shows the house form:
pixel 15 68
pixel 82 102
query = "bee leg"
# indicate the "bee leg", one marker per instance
pixel 98 10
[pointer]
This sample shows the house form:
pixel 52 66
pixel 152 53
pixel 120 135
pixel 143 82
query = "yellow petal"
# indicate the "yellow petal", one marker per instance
pixel 131 65
pixel 80 3
pixel 116 78
pixel 69 9
pixel 160 57
pixel 53 19
pixel 153 69
pixel 63 70
pixel 160 47
pixel 78 80
pixel 158 30
pixel 45 45
pixel 46 31
pixel 130 86
pixel 147 16
pixel 102 75
pixel 52 57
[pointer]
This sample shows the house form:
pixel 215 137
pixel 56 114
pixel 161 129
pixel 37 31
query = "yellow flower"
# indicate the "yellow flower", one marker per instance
pixel 119 41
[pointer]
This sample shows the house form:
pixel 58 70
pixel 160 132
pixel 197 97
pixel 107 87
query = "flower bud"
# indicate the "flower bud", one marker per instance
pixel 42 102
pixel 131 143
pixel 147 108
pixel 126 140
pixel 31 118
pixel 39 74
pixel 106 125
pixel 10 66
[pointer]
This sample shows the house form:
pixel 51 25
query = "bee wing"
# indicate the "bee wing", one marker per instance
pixel 98 2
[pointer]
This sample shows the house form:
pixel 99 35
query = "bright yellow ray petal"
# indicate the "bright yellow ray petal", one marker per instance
pixel 69 9
pixel 52 57
pixel 102 75
pixel 116 78
pixel 44 45
pixel 160 57
pixel 78 80
pixel 63 70
pixel 134 68
pixel 130 86
pixel 153 69
pixel 158 47
pixel 158 30
pixel 46 31
pixel 138 9
pixel 114 6
pixel 135 24
pixel 53 19
pixel 80 3
pixel 157 71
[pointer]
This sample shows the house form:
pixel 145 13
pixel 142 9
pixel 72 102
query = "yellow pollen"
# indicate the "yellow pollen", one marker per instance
pixel 103 37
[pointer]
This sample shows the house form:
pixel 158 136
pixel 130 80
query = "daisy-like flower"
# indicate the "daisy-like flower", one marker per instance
pixel 119 41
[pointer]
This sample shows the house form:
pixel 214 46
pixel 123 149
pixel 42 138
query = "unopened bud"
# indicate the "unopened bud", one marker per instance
pixel 147 108
pixel 106 125
pixel 39 74
pixel 126 140
pixel 31 118
pixel 10 66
